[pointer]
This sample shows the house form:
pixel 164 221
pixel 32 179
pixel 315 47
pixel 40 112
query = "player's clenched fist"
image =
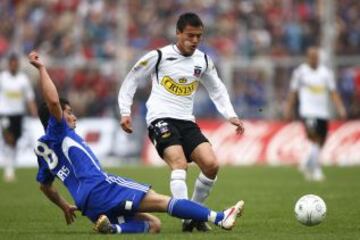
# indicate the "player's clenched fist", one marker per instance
pixel 35 59
pixel 126 124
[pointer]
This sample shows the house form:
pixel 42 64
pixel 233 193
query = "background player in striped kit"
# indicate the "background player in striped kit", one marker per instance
pixel 16 96
pixel 176 71
pixel 314 86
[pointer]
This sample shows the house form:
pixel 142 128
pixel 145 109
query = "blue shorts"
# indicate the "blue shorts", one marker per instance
pixel 116 197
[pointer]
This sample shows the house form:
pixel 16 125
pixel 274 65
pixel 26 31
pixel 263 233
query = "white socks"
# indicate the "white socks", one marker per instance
pixel 313 158
pixel 9 163
pixel 178 185
pixel 312 168
pixel 203 186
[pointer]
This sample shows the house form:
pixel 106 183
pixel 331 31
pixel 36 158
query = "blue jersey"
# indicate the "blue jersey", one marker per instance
pixel 63 153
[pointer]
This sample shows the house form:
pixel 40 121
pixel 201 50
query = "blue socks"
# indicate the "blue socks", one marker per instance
pixel 180 208
pixel 131 227
pixel 186 209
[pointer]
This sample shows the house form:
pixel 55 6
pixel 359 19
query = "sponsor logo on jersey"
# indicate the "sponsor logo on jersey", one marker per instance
pixel 178 88
pixel 171 59
pixel 197 71
pixel 316 89
pixel 13 94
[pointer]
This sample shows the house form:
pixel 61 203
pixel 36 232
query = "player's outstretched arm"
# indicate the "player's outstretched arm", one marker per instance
pixel 141 70
pixel 47 86
pixel 53 195
pixel 220 96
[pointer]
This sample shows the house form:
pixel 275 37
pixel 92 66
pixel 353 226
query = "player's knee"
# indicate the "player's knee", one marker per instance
pixel 9 139
pixel 211 169
pixel 157 201
pixel 180 164
pixel 154 225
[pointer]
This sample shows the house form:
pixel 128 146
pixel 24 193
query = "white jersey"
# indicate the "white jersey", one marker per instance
pixel 313 87
pixel 15 91
pixel 174 85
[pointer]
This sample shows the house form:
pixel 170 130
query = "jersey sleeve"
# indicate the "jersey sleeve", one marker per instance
pixel 44 175
pixel 141 70
pixel 28 90
pixel 217 91
pixel 331 83
pixel 295 80
pixel 56 130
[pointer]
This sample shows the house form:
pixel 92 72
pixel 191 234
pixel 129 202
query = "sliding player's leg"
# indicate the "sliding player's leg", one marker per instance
pixel 140 223
pixel 186 209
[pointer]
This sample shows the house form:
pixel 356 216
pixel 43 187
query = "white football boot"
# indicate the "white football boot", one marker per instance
pixel 103 225
pixel 230 215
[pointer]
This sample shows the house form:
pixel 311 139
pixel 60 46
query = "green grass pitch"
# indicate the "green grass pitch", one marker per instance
pixel 270 194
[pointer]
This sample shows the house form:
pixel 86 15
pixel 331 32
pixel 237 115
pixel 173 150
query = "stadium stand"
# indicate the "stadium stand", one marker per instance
pixel 87 41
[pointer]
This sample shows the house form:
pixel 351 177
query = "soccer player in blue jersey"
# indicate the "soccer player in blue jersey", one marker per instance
pixel 115 204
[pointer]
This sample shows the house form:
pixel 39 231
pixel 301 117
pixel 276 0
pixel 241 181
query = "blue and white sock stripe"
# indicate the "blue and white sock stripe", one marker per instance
pixel 125 183
pixel 118 228
pixel 212 217
pixel 146 227
pixel 171 205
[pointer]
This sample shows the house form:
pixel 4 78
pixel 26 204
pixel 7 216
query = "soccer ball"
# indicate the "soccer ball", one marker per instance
pixel 310 210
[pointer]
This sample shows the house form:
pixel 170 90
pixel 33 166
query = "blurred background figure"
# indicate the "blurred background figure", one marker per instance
pixel 313 86
pixel 90 46
pixel 16 96
pixel 256 45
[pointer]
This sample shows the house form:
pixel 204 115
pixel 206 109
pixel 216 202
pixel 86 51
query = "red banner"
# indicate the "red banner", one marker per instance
pixel 274 143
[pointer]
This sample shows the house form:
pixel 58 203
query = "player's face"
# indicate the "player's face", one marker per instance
pixel 69 116
pixel 313 57
pixel 189 39
pixel 13 65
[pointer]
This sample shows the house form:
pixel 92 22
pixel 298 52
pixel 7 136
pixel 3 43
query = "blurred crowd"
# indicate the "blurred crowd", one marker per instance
pixel 92 43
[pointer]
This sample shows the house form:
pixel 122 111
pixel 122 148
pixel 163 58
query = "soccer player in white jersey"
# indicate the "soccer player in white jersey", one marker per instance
pixel 16 95
pixel 314 86
pixel 176 71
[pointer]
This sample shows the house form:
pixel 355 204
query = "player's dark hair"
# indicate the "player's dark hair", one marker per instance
pixel 186 19
pixel 13 56
pixel 44 113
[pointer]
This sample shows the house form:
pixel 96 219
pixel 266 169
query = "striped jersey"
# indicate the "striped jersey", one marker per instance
pixel 15 91
pixel 313 87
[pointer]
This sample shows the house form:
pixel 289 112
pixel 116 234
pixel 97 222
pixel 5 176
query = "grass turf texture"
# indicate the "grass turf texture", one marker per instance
pixel 269 193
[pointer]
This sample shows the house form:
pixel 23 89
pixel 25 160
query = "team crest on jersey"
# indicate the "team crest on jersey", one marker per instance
pixel 179 89
pixel 197 71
